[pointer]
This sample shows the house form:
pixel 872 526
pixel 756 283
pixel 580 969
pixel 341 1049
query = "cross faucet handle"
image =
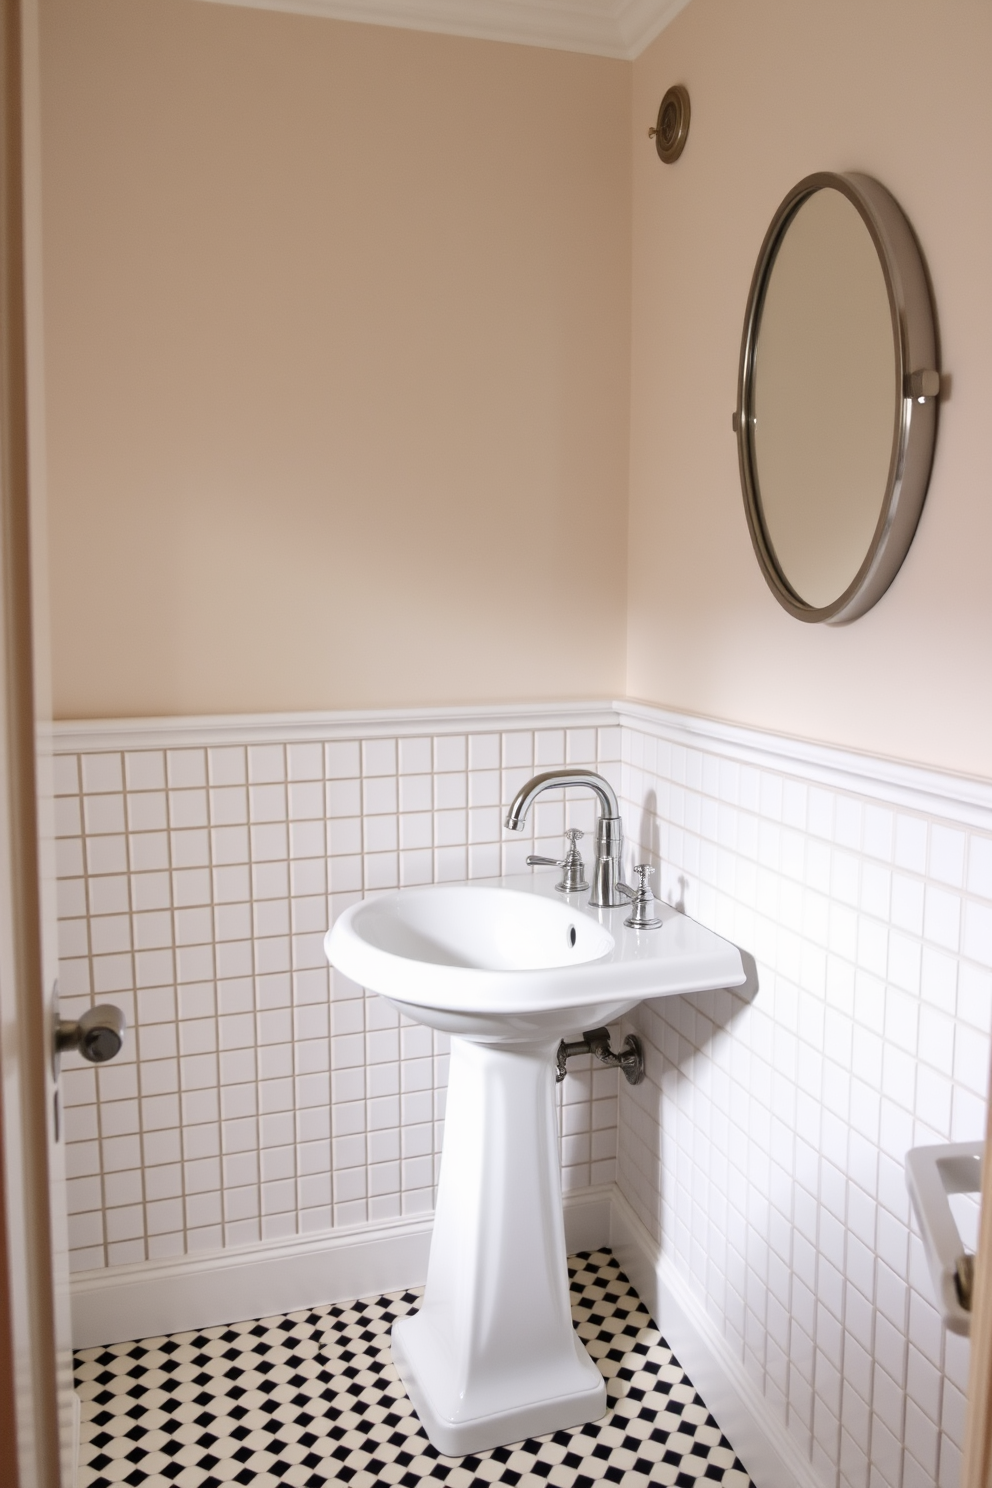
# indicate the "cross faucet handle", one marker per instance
pixel 573 879
pixel 642 915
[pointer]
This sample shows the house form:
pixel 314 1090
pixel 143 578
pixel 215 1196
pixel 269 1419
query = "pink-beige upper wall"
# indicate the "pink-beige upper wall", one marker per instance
pixel 337 344
pixel 340 362
pixel 898 89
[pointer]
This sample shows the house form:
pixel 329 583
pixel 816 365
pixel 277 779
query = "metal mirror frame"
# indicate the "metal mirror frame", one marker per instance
pixel 915 408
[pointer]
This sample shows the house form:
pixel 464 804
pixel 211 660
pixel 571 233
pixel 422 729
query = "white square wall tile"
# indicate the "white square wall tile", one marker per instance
pixel 580 746
pixel 484 788
pixel 267 802
pixel 608 744
pixel 147 811
pixel 415 756
pixel 977 933
pixel 68 816
pixel 416 867
pixel 518 750
pixel 148 852
pixel 102 814
pixel 227 766
pixel 549 748
pixel 484 751
pixel 305 800
pixel 379 757
pixel 266 764
pixel 380 795
pixel 304 762
pixel 65 774
pixel 343 760
pixel 188 808
pixel 102 772
pixel 947 855
pixel 450 753
pixel 416 793
pixel 416 829
pixel 186 768
pixel 144 770
pixel 911 843
pixel 980 866
pixel 450 791
pixel 942 918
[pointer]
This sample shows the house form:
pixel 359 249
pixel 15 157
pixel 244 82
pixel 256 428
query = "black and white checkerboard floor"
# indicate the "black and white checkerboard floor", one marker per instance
pixel 313 1398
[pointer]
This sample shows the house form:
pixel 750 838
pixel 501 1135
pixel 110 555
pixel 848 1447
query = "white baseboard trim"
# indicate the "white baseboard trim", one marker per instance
pixel 150 1298
pixel 772 1458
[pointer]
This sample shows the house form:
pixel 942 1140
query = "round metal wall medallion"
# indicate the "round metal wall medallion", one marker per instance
pixel 672 129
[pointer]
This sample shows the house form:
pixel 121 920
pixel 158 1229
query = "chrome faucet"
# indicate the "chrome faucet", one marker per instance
pixel 606 891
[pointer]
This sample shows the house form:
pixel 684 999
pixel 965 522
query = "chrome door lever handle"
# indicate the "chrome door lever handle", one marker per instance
pixel 97 1036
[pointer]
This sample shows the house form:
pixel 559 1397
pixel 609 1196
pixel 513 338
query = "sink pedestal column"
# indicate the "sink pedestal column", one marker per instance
pixel 492 1357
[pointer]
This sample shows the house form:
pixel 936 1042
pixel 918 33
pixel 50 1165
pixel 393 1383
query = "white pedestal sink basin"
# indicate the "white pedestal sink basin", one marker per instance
pixel 508 969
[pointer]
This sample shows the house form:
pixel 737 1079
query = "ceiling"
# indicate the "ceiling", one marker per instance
pixel 606 28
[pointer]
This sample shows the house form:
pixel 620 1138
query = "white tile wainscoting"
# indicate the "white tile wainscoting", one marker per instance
pixel 262 1096
pixel 764 1152
pixel 271 1129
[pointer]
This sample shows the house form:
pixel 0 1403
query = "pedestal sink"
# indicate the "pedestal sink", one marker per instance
pixel 508 969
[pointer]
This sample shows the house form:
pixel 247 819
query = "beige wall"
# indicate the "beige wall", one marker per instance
pixel 899 89
pixel 338 353
pixel 340 366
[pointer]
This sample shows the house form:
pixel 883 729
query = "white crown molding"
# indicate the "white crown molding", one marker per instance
pixel 640 21
pixel 90 735
pixel 961 798
pixel 603 28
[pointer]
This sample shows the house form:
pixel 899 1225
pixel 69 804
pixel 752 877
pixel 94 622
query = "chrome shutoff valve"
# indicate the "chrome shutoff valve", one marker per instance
pixel 629 1057
pixel 642 915
pixel 98 1035
pixel 573 879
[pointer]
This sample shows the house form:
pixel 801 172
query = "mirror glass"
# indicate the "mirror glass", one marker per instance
pixel 825 398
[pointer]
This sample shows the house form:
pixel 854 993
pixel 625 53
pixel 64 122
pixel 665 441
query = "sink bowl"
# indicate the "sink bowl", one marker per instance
pixel 508 959
pixel 508 968
pixel 477 927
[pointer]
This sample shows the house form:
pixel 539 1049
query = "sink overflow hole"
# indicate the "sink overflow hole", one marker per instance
pixel 571 935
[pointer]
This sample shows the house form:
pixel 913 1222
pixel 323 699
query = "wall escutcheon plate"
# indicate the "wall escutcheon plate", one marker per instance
pixel 672 129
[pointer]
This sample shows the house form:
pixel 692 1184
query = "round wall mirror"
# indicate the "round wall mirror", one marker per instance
pixel 837 397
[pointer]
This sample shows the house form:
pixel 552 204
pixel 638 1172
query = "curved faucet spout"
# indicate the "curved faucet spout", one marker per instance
pixel 604 893
pixel 560 780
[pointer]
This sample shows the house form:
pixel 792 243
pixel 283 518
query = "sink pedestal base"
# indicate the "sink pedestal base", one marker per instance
pixel 492 1357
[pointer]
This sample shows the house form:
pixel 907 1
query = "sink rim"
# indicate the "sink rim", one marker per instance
pixel 682 956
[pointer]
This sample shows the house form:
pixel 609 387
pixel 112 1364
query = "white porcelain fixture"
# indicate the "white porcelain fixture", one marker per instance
pixel 509 969
pixel 933 1174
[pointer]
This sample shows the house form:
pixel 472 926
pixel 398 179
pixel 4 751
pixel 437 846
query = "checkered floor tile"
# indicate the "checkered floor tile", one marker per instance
pixel 313 1398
